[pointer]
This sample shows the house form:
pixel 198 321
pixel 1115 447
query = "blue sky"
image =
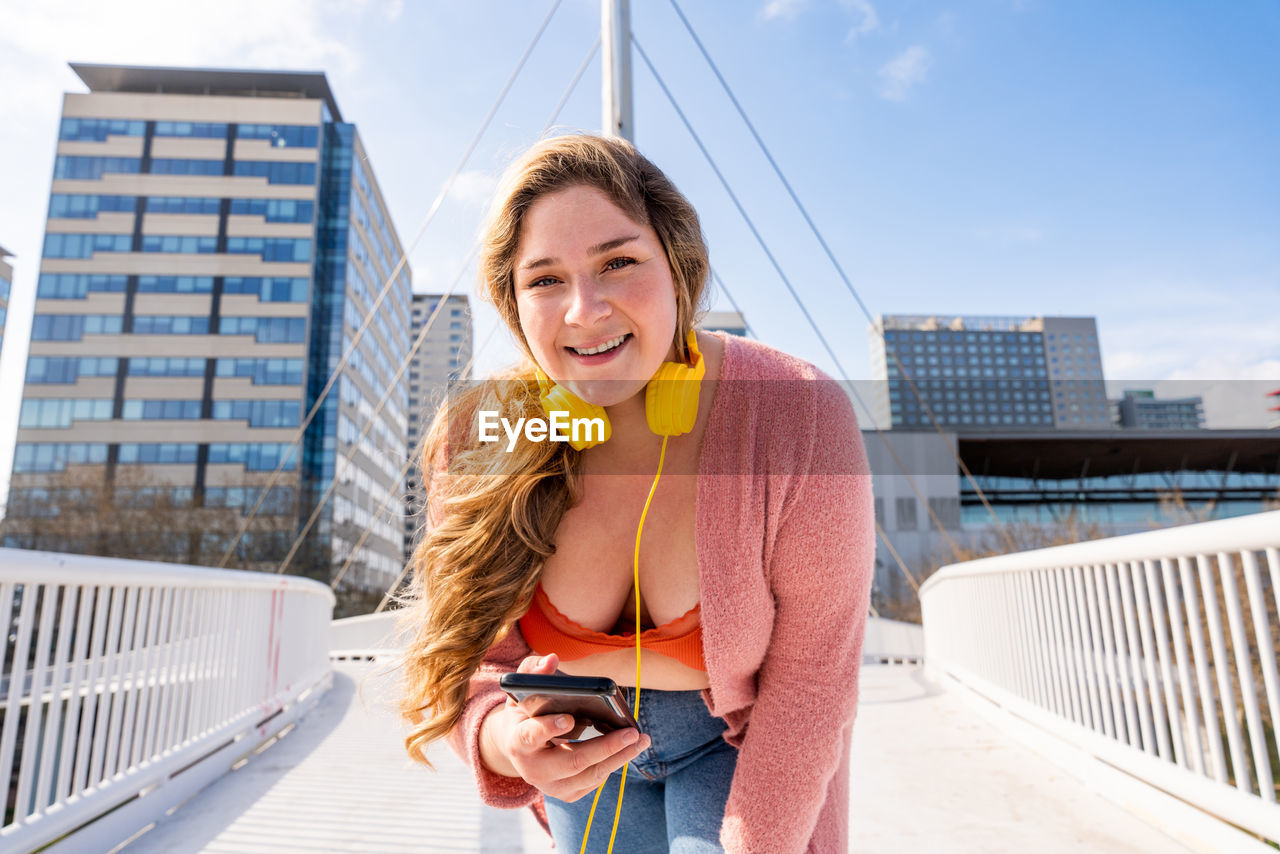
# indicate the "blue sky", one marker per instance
pixel 990 158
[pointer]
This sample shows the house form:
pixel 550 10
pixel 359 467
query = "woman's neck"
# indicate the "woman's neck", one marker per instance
pixel 632 446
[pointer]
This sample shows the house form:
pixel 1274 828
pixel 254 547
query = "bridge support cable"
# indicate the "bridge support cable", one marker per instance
pixel 417 451
pixel 386 288
pixel 840 271
pixel 733 302
pixel 417 344
pixel 573 84
pixel 369 422
pixel 414 455
pixel 955 550
pixel 880 529
pixel 884 537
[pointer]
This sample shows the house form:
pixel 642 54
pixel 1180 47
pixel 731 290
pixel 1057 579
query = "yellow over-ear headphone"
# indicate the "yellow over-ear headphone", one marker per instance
pixel 670 399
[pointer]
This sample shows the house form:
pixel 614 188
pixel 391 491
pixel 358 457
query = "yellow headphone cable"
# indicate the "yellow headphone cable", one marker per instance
pixel 635 711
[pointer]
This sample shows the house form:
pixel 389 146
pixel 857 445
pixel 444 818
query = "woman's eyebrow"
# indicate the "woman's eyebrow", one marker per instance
pixel 594 250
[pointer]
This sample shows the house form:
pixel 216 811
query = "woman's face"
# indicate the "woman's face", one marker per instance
pixel 595 295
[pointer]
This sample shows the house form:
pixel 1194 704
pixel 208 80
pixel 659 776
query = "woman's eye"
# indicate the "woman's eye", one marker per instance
pixel 619 263
pixel 537 283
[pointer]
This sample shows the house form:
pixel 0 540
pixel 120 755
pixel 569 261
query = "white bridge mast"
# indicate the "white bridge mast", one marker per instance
pixel 615 20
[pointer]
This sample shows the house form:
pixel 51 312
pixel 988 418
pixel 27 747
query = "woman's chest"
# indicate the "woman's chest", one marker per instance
pixel 590 578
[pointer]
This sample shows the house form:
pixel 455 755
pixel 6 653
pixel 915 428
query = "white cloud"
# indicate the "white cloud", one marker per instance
pixel 1230 365
pixel 782 9
pixel 868 20
pixel 904 71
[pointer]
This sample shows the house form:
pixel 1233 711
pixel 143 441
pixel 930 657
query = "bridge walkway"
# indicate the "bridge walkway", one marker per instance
pixel 930 775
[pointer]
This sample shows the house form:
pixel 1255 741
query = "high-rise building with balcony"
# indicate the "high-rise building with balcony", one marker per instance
pixel 214 242
pixel 443 357
pixel 1140 409
pixel 988 373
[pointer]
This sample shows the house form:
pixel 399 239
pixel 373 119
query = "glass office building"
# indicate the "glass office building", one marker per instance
pixel 214 242
pixel 988 373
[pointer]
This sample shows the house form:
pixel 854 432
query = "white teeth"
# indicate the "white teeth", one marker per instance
pixel 608 345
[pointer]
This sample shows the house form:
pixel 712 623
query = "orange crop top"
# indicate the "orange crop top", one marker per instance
pixel 546 630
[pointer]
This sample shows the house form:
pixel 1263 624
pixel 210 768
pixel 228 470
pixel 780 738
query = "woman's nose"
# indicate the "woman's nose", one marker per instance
pixel 587 302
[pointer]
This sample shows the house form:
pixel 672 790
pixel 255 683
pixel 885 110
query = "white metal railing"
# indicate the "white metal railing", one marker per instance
pixel 1119 646
pixel 127 686
pixel 892 642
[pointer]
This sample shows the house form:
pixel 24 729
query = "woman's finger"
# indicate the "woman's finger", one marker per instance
pixel 539 664
pixel 592 775
pixel 532 734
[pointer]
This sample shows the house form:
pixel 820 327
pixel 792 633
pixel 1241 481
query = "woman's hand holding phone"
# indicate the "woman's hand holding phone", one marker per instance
pixel 514 744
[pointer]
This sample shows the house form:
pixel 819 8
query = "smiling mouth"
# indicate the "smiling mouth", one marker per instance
pixel 612 344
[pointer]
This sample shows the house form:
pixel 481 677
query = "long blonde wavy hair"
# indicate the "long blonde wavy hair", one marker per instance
pixel 492 515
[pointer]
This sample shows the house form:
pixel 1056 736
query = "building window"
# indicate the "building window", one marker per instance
pixel 906 513
pixel 263 371
pixel 175 243
pixel 97 130
pixel 158 452
pixel 185 166
pixel 197 130
pixel 254 456
pixel 159 324
pixel 259 413
pixel 275 210
pixel 60 412
pixel 161 366
pixel 184 205
pixel 160 410
pixel 71 327
pixel 282 136
pixel 67 206
pixel 947 510
pixel 271 248
pixel 55 456
pixel 277 330
pixel 276 173
pixel 84 245
pixel 76 285
pixel 68 369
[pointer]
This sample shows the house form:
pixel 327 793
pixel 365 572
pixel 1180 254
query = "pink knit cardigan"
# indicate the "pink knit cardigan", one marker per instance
pixel 785 540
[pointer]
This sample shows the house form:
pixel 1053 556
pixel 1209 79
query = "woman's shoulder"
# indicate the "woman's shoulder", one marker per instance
pixel 764 376
pixel 750 359
pixel 780 399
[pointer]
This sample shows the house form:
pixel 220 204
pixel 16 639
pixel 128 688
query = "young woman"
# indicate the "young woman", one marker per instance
pixel 754 565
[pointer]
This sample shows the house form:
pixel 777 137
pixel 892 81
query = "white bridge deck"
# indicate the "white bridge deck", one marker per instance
pixel 930 774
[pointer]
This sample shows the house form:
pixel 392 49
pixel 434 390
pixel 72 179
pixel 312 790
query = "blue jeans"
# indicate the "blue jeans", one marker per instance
pixel 676 789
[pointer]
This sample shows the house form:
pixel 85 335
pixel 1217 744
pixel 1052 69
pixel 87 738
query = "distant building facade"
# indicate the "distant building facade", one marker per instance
pixel 214 242
pixel 1038 487
pixel 988 373
pixel 724 321
pixel 1141 409
pixel 444 356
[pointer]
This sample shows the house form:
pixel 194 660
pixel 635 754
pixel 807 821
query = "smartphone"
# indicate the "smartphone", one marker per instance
pixel 597 704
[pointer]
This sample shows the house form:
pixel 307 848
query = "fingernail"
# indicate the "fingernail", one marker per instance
pixel 546 659
pixel 630 736
pixel 564 721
